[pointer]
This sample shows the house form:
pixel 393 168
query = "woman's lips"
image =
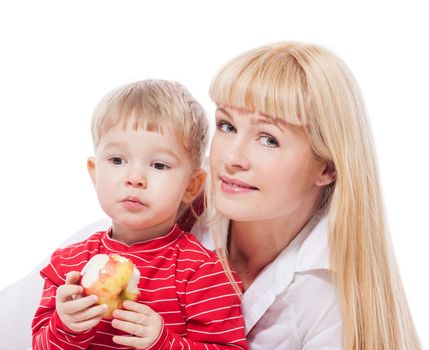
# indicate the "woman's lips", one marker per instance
pixel 132 203
pixel 230 185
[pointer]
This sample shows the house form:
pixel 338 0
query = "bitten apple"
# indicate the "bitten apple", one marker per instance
pixel 112 278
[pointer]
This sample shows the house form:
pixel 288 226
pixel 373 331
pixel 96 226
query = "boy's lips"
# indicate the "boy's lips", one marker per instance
pixel 132 202
pixel 231 185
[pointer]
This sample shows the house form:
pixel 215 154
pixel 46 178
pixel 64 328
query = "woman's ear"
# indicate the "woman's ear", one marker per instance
pixel 328 175
pixel 90 165
pixel 196 184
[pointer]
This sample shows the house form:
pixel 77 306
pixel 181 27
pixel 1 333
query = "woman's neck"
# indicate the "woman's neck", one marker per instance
pixel 254 245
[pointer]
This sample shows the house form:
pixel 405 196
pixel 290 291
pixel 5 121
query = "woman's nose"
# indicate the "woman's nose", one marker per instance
pixel 235 155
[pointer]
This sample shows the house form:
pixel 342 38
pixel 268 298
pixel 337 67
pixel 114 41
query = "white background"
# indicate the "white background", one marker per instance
pixel 58 59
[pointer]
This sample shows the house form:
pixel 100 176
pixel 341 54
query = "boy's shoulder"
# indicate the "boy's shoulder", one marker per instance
pixel 192 256
pixel 189 245
pixel 200 267
pixel 84 246
pixel 71 258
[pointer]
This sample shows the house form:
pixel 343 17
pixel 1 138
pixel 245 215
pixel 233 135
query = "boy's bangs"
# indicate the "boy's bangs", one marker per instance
pixel 273 84
pixel 142 115
pixel 135 118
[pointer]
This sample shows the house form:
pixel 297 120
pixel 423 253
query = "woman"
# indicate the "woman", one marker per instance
pixel 293 169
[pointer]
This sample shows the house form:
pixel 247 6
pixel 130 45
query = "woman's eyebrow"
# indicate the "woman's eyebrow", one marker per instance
pixel 224 111
pixel 262 119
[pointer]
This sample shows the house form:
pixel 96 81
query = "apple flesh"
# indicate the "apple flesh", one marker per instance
pixel 112 278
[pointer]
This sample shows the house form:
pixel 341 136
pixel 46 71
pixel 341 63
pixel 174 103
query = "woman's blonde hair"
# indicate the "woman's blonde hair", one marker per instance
pixel 308 86
pixel 154 105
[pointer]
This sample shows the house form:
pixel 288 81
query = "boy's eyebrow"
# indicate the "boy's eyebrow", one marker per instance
pixel 113 144
pixel 168 151
pixel 158 148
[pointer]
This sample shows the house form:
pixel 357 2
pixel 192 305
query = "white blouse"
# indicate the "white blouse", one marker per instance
pixel 292 304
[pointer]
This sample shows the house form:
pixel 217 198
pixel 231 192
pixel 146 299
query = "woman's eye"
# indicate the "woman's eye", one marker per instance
pixel 268 141
pixel 116 160
pixel 225 126
pixel 160 166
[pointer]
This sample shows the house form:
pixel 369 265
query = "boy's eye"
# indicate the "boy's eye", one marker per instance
pixel 160 166
pixel 225 126
pixel 116 160
pixel 269 141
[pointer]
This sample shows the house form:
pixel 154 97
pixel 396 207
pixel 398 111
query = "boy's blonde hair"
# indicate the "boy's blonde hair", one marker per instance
pixel 154 105
pixel 307 85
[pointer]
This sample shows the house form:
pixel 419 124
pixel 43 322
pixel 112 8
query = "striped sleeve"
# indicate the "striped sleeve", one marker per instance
pixel 47 329
pixel 213 314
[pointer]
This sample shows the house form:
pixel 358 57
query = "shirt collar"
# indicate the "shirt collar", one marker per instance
pixel 151 246
pixel 313 252
pixel 307 251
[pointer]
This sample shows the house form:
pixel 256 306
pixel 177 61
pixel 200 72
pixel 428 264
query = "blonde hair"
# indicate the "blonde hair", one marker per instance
pixel 308 86
pixel 154 105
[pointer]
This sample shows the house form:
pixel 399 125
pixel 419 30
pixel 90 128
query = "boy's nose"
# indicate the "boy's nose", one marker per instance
pixel 136 183
pixel 136 179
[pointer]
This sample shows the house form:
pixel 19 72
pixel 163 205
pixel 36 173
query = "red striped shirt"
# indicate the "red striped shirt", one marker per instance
pixel 180 279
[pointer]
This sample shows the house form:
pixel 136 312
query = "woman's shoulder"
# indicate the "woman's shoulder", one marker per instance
pixel 305 315
pixel 315 303
pixel 312 290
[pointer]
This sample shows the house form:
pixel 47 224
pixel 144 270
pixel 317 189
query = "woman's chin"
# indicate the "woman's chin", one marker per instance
pixel 235 212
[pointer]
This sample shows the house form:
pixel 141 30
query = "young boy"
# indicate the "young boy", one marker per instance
pixel 149 140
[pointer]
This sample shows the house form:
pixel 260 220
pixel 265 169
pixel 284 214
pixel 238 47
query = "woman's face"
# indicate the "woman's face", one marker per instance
pixel 262 169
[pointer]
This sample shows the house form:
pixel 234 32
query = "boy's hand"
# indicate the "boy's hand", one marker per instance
pixel 77 312
pixel 140 321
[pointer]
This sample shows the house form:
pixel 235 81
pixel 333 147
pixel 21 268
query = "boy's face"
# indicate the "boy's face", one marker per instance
pixel 141 178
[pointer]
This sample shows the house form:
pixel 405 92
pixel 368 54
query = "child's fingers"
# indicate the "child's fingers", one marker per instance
pixel 139 308
pixel 89 313
pixel 73 277
pixel 73 306
pixel 129 327
pixel 138 320
pixel 85 325
pixel 132 317
pixel 67 291
pixel 133 342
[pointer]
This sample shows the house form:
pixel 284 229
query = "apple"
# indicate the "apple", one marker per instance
pixel 113 278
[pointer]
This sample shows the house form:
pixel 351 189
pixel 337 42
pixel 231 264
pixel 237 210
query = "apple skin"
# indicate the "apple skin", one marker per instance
pixel 112 278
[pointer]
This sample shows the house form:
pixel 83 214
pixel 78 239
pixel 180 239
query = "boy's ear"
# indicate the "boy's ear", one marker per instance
pixel 90 165
pixel 196 183
pixel 328 175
